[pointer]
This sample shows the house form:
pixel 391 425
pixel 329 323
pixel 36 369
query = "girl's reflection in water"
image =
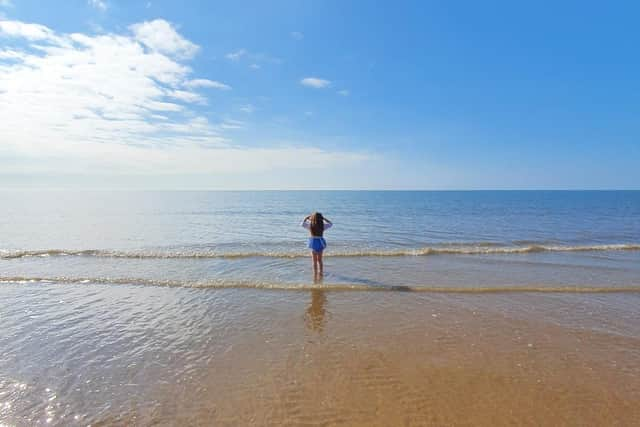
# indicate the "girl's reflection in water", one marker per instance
pixel 315 315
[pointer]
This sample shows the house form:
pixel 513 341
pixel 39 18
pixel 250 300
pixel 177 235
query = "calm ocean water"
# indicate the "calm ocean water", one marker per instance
pixel 380 239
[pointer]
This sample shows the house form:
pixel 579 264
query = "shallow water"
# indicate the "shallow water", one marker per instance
pixel 454 308
pixel 78 354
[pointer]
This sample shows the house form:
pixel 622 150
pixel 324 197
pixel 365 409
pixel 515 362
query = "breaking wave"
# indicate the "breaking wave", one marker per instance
pixel 479 249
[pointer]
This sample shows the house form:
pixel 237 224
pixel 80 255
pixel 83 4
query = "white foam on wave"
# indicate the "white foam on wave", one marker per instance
pixel 458 249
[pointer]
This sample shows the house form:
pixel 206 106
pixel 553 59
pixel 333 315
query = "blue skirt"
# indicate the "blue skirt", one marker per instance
pixel 317 244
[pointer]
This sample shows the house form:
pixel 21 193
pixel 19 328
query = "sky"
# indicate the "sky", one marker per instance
pixel 127 94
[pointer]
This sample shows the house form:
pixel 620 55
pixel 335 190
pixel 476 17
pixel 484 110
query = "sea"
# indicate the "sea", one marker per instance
pixel 144 307
pixel 425 240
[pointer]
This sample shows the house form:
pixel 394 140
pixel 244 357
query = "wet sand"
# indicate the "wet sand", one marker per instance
pixel 317 357
pixel 425 364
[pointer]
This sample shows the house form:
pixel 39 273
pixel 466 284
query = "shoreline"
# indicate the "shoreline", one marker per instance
pixel 504 288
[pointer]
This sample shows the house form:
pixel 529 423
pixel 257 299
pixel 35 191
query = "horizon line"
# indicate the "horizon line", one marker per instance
pixel 315 189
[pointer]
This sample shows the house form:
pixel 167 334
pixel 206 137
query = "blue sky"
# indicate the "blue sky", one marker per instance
pixel 319 94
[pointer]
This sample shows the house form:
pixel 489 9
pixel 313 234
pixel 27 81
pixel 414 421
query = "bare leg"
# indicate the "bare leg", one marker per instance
pixel 314 260
pixel 320 261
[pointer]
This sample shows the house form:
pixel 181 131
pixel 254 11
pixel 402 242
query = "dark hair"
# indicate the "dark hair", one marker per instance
pixel 317 224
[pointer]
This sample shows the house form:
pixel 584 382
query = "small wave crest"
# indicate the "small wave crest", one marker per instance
pixel 458 249
pixel 239 284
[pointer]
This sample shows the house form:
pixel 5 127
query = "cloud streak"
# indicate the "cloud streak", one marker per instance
pixel 98 4
pixel 195 83
pixel 315 82
pixel 235 56
pixel 160 36
pixel 254 59
pixel 27 31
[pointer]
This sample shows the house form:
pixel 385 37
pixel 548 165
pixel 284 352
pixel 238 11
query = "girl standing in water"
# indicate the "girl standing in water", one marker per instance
pixel 316 224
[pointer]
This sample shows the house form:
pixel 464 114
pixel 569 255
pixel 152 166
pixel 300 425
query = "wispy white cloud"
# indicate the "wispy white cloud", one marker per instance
pixel 80 93
pixel 297 35
pixel 231 124
pixel 315 82
pixel 27 31
pixel 206 83
pixel 109 75
pixel 344 92
pixel 120 103
pixel 98 4
pixel 12 54
pixel 235 56
pixel 254 59
pixel 160 36
pixel 187 96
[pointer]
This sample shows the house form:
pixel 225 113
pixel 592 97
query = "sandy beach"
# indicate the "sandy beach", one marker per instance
pixel 407 360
